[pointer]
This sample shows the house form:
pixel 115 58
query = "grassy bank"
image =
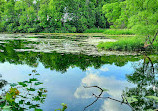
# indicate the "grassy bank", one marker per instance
pixel 118 32
pixel 128 44
pixel 110 31
pixel 94 30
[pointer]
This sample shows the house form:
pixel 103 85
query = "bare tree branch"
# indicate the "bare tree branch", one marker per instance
pixel 99 96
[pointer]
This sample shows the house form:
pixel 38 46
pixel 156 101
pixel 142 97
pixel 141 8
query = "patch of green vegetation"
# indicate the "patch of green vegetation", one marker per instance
pixel 134 43
pixel 94 30
pixel 119 32
pixel 123 44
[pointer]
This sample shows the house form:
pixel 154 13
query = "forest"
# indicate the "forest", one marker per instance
pixel 76 16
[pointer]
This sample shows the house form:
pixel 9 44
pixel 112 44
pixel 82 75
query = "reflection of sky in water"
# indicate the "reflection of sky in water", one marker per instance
pixel 68 87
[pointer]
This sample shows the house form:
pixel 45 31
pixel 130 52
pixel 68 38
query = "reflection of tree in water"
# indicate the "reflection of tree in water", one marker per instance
pixel 56 61
pixel 24 95
pixel 145 95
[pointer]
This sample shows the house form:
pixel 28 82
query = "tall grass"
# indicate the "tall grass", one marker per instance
pixel 124 44
pixel 129 44
pixel 118 32
pixel 94 30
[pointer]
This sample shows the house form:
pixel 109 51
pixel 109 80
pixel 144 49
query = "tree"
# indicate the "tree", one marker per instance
pixel 143 19
pixel 112 12
pixel 9 17
pixel 43 15
pixel 139 15
pixel 2 6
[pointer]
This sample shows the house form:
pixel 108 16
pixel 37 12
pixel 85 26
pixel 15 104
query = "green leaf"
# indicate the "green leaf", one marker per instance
pixel 44 95
pixel 153 97
pixel 37 74
pixel 31 89
pixel 13 85
pixel 22 84
pixel 6 108
pixel 28 103
pixel 34 79
pixel 37 98
pixel 21 102
pixel 34 71
pixel 57 109
pixel 30 74
pixel 33 106
pixel 38 83
pixel 38 109
pixel 2 104
pixel 131 99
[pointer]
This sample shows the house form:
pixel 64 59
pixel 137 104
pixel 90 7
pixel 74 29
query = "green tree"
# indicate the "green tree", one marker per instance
pixel 43 15
pixel 9 19
pixel 55 14
pixel 28 16
pixel 112 12
pixel 2 6
pixel 139 15
pixel 143 19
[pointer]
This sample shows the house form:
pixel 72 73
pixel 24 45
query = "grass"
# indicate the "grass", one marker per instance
pixel 118 32
pixel 94 30
pixel 124 44
pixel 134 43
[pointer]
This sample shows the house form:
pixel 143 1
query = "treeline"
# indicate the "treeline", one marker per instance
pixel 51 15
pixel 78 15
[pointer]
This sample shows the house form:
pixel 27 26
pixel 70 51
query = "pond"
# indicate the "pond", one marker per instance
pixel 56 71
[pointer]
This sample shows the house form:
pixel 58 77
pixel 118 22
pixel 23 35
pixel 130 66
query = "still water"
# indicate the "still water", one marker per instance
pixel 52 72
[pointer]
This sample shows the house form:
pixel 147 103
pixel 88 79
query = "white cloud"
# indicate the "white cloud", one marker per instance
pixel 104 69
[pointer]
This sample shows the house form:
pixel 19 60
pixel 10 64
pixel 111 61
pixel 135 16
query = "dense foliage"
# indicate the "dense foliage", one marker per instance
pixel 51 15
pixel 139 15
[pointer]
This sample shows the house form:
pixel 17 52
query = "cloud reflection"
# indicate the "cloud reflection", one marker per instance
pixel 110 105
pixel 114 86
pixel 104 69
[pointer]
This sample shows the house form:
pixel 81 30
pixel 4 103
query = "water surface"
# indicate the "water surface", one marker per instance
pixel 61 66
